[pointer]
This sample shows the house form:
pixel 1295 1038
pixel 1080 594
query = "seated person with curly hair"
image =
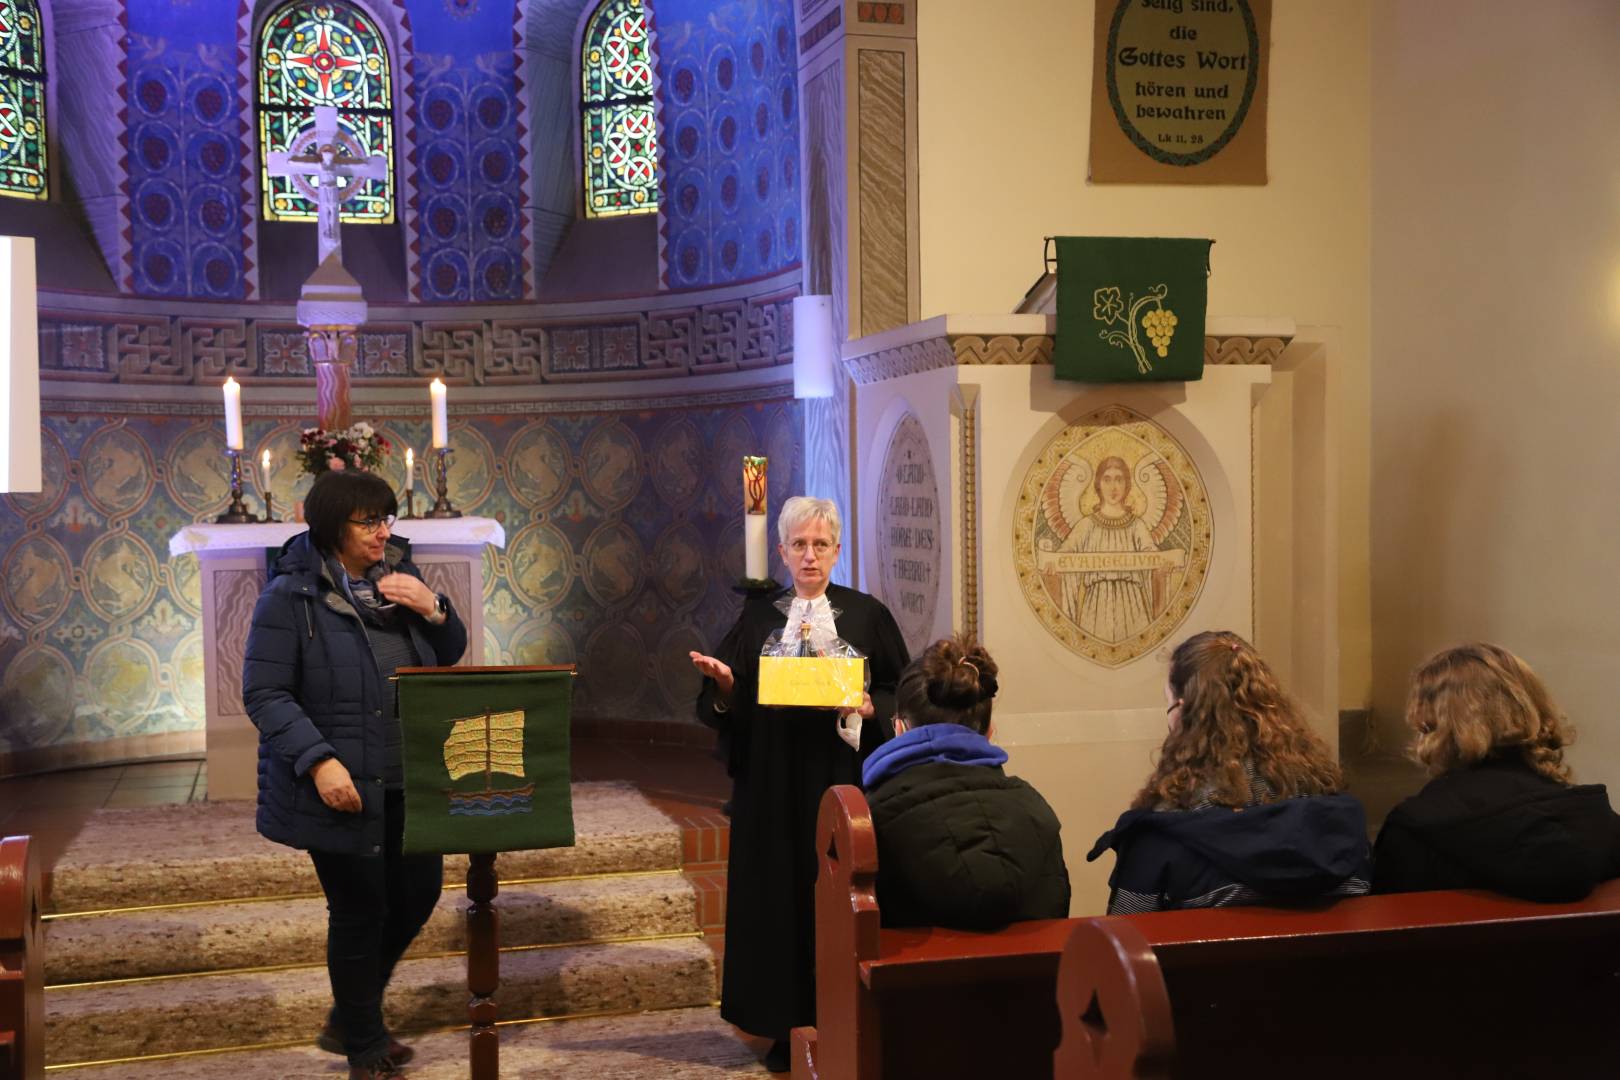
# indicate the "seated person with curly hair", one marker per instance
pixel 1246 804
pixel 960 843
pixel 1500 812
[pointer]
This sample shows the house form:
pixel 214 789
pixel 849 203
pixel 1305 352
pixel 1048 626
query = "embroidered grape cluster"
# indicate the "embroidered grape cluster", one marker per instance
pixel 1160 324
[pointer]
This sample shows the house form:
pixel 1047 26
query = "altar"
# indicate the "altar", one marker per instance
pixel 233 558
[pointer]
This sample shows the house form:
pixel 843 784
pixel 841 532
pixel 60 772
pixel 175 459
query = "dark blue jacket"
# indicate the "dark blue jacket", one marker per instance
pixel 1291 851
pixel 312 688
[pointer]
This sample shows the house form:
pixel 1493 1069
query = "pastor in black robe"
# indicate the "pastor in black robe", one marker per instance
pixel 781 760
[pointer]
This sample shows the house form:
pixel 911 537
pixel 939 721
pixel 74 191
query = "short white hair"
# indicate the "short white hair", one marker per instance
pixel 801 510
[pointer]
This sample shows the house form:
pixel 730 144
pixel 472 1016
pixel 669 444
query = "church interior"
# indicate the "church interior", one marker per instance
pixel 586 257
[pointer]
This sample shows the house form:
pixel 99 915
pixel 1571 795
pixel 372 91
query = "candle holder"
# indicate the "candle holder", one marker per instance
pixel 410 504
pixel 441 482
pixel 269 506
pixel 237 512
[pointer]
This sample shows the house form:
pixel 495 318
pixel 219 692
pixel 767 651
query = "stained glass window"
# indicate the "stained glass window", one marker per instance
pixel 22 101
pixel 621 143
pixel 325 54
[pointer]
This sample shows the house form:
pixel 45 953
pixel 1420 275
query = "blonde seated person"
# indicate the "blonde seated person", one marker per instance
pixel 1501 811
pixel 781 760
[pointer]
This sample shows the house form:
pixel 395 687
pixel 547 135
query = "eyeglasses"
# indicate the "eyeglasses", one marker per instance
pixel 372 524
pixel 820 547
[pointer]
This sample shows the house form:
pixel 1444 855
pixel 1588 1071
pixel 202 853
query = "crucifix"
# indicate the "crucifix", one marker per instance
pixel 330 305
pixel 326 173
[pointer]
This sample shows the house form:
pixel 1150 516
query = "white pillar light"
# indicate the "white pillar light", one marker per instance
pixel 815 348
pixel 19 367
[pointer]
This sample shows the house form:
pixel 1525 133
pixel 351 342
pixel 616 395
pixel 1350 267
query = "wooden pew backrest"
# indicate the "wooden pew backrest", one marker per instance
pixel 22 963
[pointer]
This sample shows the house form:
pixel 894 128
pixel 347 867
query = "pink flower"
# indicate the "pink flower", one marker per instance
pixel 335 464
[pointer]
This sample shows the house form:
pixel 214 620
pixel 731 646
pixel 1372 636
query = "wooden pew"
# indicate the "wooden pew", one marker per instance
pixel 908 1004
pixel 1438 984
pixel 22 964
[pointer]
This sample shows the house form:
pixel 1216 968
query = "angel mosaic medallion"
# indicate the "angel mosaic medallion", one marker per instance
pixel 1112 536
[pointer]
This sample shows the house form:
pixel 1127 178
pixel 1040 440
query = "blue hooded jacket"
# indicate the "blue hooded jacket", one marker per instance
pixel 960 843
pixel 312 687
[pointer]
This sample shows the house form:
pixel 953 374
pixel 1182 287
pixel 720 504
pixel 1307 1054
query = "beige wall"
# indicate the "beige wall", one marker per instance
pixel 1496 372
pixel 1004 126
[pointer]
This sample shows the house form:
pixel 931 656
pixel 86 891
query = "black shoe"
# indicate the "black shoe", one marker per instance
pixel 779 1058
pixel 331 1040
pixel 383 1070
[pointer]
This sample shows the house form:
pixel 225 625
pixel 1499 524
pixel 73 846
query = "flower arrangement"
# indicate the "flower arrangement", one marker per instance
pixel 357 446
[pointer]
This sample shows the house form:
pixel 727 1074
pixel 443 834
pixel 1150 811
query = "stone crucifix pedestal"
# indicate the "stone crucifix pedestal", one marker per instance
pixel 323 165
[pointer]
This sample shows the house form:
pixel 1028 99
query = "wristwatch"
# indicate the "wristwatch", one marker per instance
pixel 441 609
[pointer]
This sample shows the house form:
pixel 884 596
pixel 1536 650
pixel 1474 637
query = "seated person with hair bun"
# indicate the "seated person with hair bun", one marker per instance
pixel 960 843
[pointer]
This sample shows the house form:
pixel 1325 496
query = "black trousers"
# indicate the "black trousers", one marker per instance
pixel 376 905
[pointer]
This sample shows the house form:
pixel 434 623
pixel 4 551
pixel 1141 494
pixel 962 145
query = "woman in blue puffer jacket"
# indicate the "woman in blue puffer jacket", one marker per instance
pixel 344 608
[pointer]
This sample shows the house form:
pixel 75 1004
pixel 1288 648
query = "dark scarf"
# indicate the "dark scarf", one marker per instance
pixel 373 608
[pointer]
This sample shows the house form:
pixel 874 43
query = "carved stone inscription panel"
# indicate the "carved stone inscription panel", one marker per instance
pixel 908 533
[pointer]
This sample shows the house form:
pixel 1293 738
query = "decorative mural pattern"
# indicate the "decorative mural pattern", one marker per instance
pixel 185 165
pixel 22 101
pixel 728 116
pixel 325 54
pixel 727 335
pixel 1112 536
pixel 469 157
pixel 624 536
pixel 617 122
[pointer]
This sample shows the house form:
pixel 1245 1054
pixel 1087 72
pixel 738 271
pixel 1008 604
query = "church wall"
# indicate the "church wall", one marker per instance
pixel 1497 323
pixel 1004 130
pixel 187 175
pixel 606 442
pixel 728 118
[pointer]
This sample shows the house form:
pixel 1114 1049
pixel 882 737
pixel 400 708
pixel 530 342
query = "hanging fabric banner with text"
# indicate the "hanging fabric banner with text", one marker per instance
pixel 1130 308
pixel 1178 91
pixel 486 758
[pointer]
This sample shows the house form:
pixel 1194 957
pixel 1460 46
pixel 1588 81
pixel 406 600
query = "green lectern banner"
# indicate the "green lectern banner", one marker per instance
pixel 1130 308
pixel 486 758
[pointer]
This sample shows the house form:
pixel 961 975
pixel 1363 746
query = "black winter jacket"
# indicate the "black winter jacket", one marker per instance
pixel 965 846
pixel 1500 825
pixel 1284 852
pixel 312 688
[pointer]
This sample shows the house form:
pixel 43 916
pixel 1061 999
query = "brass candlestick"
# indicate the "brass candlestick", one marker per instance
pixel 237 512
pixel 410 503
pixel 441 481
pixel 269 506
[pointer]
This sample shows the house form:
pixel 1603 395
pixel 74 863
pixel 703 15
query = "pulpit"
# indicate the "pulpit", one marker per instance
pixel 449 552
pixel 1082 530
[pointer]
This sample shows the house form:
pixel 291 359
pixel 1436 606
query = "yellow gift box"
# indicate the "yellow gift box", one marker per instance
pixel 815 681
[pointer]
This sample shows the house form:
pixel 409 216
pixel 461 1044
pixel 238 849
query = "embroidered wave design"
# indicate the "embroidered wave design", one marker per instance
pixel 489 805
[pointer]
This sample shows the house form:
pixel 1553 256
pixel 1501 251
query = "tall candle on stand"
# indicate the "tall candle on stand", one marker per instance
pixel 756 527
pixel 441 415
pixel 233 414
pixel 264 470
pixel 410 468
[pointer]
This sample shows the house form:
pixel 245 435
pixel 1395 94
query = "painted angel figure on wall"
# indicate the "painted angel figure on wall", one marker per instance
pixel 1108 549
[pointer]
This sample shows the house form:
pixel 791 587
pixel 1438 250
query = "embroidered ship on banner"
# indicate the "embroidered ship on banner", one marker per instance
pixel 488 744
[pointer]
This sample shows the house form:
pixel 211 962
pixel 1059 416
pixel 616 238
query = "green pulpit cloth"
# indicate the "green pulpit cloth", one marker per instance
pixel 1130 308
pixel 486 759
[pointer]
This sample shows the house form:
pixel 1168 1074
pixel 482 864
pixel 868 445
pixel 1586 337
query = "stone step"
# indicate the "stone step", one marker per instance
pixel 200 1012
pixel 675 1044
pixel 244 934
pixel 210 851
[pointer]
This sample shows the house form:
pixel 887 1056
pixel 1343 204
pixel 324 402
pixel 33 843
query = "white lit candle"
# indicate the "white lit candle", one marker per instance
pixel 410 468
pixel 441 415
pixel 233 414
pixel 264 469
pixel 756 527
